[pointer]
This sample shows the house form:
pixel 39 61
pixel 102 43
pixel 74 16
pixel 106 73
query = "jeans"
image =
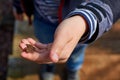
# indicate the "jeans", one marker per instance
pixel 44 31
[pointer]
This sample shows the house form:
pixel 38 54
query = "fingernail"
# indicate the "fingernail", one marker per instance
pixel 55 57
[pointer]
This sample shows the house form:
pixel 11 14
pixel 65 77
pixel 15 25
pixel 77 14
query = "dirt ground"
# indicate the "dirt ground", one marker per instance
pixel 102 61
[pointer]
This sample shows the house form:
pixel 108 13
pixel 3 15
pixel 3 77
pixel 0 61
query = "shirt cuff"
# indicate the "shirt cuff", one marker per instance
pixel 90 19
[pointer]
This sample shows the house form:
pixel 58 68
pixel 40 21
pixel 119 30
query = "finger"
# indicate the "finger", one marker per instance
pixel 40 45
pixel 22 46
pixel 30 56
pixel 36 57
pixel 44 62
pixel 25 41
pixel 37 44
pixel 32 41
pixel 61 39
pixel 68 49
pixel 41 50
pixel 62 61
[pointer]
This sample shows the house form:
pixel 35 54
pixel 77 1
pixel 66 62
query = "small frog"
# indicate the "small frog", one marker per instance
pixel 29 48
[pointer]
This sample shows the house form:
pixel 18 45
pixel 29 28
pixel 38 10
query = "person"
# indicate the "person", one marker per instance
pixel 6 33
pixel 64 28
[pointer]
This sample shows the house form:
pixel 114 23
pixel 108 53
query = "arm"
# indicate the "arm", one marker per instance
pixel 93 18
pixel 99 14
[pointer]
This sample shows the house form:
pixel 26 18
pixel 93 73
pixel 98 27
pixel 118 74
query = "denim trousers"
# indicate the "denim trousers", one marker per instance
pixel 44 32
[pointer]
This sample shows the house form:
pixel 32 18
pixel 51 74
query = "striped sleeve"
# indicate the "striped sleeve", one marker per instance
pixel 90 19
pixel 99 17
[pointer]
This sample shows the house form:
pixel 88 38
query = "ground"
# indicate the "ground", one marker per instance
pixel 102 61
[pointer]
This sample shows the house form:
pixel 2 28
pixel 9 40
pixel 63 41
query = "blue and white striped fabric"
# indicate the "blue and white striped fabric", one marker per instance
pixel 90 18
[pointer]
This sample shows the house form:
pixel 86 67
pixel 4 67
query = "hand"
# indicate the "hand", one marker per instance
pixel 39 55
pixel 66 38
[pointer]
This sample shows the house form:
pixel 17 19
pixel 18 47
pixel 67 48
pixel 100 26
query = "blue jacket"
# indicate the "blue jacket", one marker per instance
pixel 106 11
pixel 99 14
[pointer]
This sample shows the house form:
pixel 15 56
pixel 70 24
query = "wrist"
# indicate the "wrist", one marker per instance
pixel 84 25
pixel 81 22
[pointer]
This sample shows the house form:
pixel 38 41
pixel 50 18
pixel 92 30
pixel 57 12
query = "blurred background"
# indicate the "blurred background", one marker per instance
pixel 102 58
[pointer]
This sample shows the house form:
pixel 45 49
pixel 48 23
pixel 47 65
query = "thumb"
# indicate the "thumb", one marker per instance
pixel 60 40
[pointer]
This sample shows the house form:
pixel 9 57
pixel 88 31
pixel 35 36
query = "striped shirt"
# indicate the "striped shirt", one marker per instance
pixel 97 14
pixel 48 9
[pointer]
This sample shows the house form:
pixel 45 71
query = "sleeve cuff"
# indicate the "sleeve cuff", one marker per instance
pixel 90 19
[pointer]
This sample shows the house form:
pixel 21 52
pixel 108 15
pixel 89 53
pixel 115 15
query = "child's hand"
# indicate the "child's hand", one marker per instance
pixel 66 38
pixel 40 52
